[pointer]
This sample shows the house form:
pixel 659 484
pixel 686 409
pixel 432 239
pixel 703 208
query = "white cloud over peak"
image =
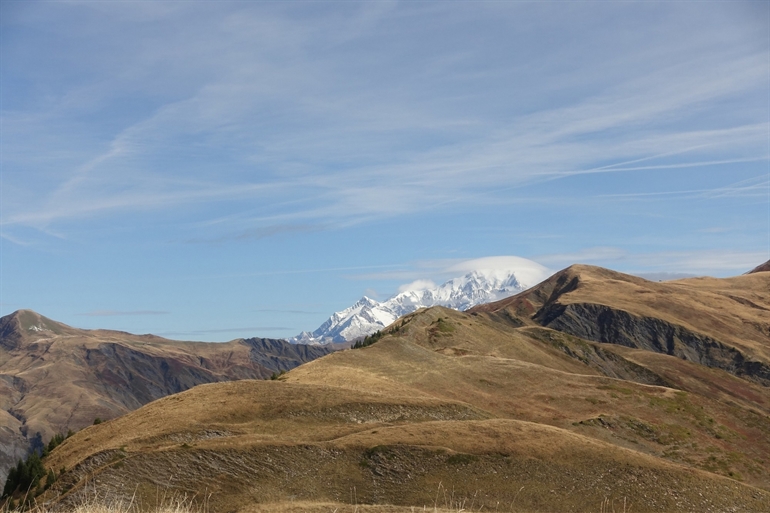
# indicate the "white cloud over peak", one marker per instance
pixel 527 271
pixel 417 285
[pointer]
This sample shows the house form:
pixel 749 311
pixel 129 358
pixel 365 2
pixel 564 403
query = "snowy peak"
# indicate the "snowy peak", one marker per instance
pixel 474 288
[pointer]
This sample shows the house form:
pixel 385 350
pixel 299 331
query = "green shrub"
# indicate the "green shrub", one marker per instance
pixel 25 476
pixel 368 340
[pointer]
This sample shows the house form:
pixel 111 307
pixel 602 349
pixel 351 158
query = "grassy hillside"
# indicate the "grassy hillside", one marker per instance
pixel 491 405
pixel 495 406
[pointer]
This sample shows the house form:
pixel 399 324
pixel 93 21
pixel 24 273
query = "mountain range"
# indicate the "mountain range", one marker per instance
pixel 591 391
pixel 55 378
pixel 474 288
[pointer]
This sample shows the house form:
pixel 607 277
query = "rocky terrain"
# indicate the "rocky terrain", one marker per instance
pixel 55 378
pixel 593 390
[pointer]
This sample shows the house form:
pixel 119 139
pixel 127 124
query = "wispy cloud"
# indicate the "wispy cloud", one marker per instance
pixel 261 233
pixel 283 311
pixel 657 265
pixel 417 285
pixel 711 262
pixel 757 187
pixel 309 145
pixel 249 329
pixel 279 272
pixel 120 313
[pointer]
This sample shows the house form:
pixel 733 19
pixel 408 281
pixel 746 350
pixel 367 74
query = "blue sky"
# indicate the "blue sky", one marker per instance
pixel 213 170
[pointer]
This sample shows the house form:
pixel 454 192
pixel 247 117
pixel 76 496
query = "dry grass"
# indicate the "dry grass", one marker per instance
pixel 497 414
pixel 443 501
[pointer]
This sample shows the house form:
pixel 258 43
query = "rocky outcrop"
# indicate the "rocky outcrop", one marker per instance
pixel 132 378
pixel 280 355
pixel 601 323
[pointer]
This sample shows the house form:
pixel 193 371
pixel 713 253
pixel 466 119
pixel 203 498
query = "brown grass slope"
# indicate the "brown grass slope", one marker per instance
pixel 487 405
pixel 54 377
pixel 269 442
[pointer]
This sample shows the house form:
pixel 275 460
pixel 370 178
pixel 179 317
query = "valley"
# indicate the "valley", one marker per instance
pixel 55 378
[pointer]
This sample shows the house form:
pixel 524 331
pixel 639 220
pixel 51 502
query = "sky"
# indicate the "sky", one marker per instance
pixel 212 170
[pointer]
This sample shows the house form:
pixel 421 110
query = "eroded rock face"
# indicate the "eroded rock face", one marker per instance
pixel 601 323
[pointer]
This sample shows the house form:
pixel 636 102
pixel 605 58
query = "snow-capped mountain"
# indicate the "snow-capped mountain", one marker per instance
pixel 474 288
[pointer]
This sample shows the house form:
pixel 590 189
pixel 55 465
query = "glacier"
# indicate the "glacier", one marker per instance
pixel 479 286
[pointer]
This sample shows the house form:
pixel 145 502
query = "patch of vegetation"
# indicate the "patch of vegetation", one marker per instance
pixel 680 404
pixel 377 335
pixel 54 442
pixel 723 464
pixel 579 349
pixel 442 326
pixel 377 449
pixel 277 375
pixel 461 459
pixel 118 456
pixel 97 420
pixel 490 383
pixel 29 477
pixel 25 476
pixel 673 434
pixel 368 340
pixel 395 330
pixel 663 434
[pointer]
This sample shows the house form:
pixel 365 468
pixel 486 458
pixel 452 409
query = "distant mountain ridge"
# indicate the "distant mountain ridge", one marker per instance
pixel 474 288
pixel 54 377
